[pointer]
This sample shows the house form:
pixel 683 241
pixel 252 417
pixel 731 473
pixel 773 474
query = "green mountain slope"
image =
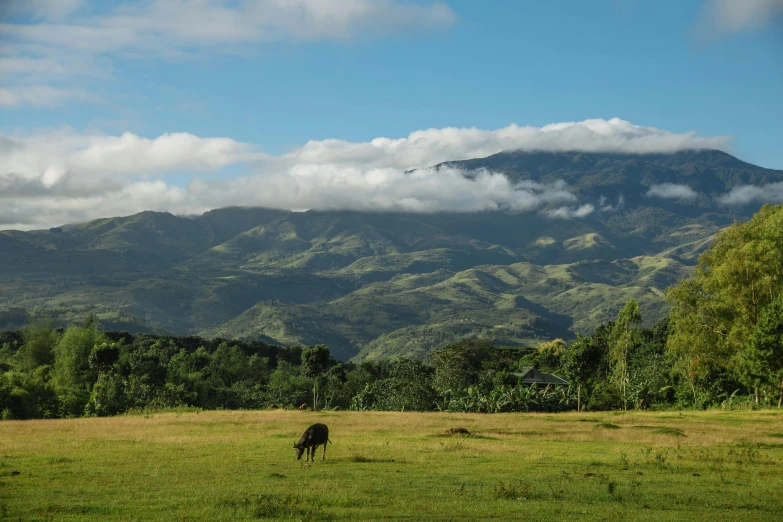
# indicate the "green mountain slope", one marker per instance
pixel 374 285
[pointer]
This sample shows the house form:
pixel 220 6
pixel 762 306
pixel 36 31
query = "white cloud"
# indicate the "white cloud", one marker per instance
pixel 130 154
pixel 36 70
pixel 733 16
pixel 39 96
pixel 746 194
pixel 161 26
pixel 44 9
pixel 571 212
pixel 328 187
pixel 65 176
pixel 35 203
pixel 427 147
pixel 9 145
pixel 672 191
pixel 124 155
pixel 54 41
pixel 605 206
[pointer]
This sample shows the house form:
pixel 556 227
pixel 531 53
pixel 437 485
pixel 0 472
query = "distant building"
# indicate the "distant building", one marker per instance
pixel 531 375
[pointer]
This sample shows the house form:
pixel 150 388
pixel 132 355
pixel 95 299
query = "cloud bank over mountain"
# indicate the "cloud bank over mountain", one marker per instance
pixel 66 176
pixel 427 147
pixel 672 191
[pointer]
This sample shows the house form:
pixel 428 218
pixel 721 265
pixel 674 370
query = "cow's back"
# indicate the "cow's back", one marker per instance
pixel 315 435
pixel 320 433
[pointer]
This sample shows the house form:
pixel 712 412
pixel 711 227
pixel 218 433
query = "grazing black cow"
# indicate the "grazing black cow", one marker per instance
pixel 313 437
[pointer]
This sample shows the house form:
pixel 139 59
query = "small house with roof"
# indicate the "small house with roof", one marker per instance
pixel 531 375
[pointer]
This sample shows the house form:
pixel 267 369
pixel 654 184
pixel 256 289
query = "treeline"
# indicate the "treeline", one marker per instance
pixel 721 346
pixel 82 370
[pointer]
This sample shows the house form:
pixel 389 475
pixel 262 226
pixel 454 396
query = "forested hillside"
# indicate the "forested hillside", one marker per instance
pixel 720 344
pixel 372 285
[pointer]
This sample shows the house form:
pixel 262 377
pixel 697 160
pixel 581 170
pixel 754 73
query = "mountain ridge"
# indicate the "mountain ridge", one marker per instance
pixel 376 284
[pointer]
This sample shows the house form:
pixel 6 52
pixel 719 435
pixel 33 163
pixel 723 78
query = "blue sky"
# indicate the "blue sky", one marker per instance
pixel 269 79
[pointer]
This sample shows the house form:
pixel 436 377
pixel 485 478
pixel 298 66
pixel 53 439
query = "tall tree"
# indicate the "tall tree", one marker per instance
pixel 459 365
pixel 549 354
pixel 714 312
pixel 73 374
pixel 583 362
pixel 621 341
pixel 39 342
pixel 316 360
pixel 762 360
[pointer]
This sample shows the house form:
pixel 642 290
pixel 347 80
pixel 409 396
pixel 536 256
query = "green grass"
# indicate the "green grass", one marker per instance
pixel 239 465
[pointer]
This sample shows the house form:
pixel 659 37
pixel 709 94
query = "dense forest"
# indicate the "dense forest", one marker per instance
pixel 720 346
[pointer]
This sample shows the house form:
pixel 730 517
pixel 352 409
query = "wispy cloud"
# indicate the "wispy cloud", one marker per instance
pixel 571 212
pixel 157 25
pixel 605 206
pixel 40 96
pixel 57 42
pixel 734 16
pixel 66 176
pixel 43 9
pixel 672 191
pixel 746 194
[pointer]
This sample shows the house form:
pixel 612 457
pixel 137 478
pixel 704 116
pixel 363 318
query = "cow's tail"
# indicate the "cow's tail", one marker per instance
pixel 329 441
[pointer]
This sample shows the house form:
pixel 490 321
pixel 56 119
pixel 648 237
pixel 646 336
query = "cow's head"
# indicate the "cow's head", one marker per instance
pixel 299 450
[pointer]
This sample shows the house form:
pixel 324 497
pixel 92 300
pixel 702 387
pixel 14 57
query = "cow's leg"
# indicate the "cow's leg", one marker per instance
pixel 324 456
pixel 309 453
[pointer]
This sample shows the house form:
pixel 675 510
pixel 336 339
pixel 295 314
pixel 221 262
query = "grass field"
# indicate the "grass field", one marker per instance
pixel 396 466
